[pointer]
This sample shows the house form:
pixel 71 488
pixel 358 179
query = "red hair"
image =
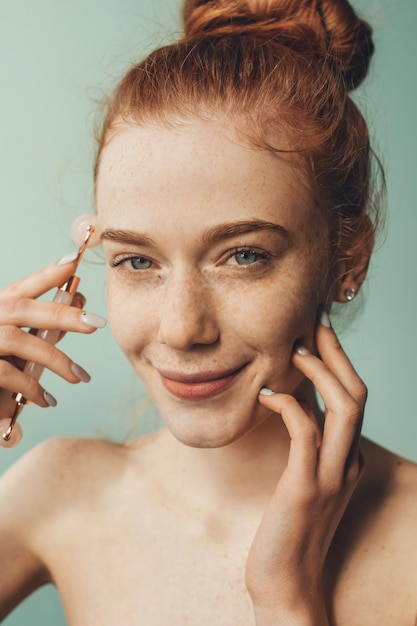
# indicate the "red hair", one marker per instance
pixel 280 65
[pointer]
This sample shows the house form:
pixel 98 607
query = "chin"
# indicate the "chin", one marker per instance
pixel 209 427
pixel 195 438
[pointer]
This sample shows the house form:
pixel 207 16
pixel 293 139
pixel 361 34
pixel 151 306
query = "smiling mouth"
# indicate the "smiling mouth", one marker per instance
pixel 199 386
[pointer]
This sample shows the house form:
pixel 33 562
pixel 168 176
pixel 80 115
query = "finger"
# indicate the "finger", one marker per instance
pixel 332 353
pixel 312 416
pixel 343 413
pixel 38 283
pixel 41 314
pixel 15 381
pixel 30 348
pixel 78 301
pixel 302 430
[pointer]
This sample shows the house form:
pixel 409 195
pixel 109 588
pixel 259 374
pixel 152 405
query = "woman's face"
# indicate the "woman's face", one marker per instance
pixel 216 255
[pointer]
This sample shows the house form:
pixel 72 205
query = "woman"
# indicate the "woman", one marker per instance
pixel 233 196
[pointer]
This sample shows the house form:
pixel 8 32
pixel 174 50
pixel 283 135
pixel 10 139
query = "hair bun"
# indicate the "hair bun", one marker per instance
pixel 329 28
pixel 350 40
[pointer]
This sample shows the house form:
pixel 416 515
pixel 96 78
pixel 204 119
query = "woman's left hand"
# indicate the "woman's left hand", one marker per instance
pixel 285 564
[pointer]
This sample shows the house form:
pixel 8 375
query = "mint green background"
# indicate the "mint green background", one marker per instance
pixel 57 60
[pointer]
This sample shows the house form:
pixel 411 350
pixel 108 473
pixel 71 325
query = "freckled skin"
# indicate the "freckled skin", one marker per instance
pixel 158 532
pixel 195 309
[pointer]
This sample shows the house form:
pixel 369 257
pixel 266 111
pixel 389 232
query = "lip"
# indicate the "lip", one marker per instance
pixel 199 385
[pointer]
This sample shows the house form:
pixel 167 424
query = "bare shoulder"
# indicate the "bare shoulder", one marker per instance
pixel 380 523
pixel 384 508
pixel 49 494
pixel 49 473
pixel 60 478
pixel 68 468
pixel 390 481
pixel 375 547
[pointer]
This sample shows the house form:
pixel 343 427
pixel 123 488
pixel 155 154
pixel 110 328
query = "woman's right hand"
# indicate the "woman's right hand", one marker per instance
pixel 19 310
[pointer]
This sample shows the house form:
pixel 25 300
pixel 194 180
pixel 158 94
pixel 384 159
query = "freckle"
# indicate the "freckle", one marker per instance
pixel 399 462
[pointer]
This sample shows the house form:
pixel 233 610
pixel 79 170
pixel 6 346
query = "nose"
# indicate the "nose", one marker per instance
pixel 187 315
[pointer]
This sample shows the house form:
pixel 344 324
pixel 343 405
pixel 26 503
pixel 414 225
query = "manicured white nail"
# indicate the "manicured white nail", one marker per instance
pixel 69 258
pixel 265 391
pixel 91 319
pixel 325 320
pixel 49 399
pixel 302 350
pixel 80 373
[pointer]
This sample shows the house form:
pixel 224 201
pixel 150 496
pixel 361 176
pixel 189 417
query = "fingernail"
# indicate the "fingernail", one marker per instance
pixel 302 350
pixel 49 399
pixel 91 319
pixel 68 258
pixel 265 391
pixel 80 373
pixel 325 319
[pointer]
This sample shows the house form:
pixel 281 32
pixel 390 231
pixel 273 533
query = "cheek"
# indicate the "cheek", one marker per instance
pixel 274 313
pixel 128 319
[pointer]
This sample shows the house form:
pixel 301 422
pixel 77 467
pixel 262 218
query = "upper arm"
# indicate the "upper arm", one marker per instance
pixel 20 573
pixel 25 496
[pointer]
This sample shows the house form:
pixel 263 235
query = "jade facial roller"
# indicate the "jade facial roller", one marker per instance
pixel 85 234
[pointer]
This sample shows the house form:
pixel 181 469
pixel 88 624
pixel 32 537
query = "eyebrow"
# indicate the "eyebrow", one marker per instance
pixel 216 233
pixel 225 231
pixel 127 236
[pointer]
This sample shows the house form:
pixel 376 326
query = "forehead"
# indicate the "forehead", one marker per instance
pixel 196 169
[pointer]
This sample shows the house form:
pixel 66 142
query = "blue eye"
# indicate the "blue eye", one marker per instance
pixel 133 263
pixel 139 263
pixel 246 257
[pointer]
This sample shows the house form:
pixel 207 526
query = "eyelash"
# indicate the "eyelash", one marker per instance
pixel 262 256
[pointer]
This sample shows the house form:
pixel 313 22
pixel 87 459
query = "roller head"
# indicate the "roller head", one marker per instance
pixel 79 230
pixel 15 437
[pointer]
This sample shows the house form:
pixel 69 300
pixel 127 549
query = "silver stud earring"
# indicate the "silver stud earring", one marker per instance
pixel 350 294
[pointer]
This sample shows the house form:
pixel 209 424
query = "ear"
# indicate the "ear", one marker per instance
pixel 354 266
pixel 351 281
